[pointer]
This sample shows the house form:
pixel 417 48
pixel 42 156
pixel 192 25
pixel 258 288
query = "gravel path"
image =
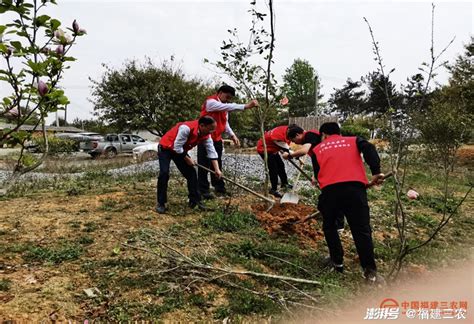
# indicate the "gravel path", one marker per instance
pixel 240 165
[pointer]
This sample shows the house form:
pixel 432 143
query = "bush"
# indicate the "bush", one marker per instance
pixel 56 145
pixel 355 130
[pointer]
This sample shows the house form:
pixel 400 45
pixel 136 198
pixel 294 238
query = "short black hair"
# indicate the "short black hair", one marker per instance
pixel 206 120
pixel 293 130
pixel 227 89
pixel 330 128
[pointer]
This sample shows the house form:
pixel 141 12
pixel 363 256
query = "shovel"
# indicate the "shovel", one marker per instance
pixel 270 201
pixel 292 197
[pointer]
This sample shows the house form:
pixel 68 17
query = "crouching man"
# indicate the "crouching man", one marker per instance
pixel 174 145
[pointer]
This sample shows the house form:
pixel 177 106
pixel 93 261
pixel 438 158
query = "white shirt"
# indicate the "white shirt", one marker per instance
pixel 216 105
pixel 182 137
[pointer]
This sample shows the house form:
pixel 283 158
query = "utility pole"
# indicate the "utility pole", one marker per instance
pixel 316 93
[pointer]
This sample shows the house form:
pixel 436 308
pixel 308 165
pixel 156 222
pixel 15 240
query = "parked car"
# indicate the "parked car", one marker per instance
pixel 112 145
pixel 146 152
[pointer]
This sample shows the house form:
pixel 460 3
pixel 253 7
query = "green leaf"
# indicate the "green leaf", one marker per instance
pixel 63 100
pixel 41 20
pixel 55 24
pixel 16 45
pixel 2 28
pixel 6 101
pixel 3 48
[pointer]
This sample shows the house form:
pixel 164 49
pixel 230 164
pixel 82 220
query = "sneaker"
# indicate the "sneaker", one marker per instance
pixel 160 209
pixel 339 268
pixel 373 278
pixel 287 186
pixel 327 263
pixel 199 205
pixel 275 193
pixel 207 196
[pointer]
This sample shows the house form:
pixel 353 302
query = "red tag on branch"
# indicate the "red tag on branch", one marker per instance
pixel 284 101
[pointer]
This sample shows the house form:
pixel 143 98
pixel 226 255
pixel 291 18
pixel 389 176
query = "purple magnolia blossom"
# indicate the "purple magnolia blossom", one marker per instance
pixel 60 50
pixel 59 34
pixel 75 26
pixel 42 88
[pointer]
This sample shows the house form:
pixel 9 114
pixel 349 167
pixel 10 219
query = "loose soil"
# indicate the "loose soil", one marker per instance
pixel 279 219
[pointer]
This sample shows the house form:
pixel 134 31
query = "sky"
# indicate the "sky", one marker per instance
pixel 331 35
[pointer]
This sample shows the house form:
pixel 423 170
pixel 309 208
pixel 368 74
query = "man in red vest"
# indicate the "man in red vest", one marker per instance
pixel 308 141
pixel 174 145
pixel 342 179
pixel 275 140
pixel 218 106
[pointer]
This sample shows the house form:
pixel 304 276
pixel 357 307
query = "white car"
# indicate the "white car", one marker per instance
pixel 145 152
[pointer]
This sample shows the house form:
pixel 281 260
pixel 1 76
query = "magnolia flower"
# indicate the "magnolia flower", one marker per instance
pixel 75 26
pixel 412 194
pixel 82 31
pixel 60 50
pixel 59 33
pixel 42 88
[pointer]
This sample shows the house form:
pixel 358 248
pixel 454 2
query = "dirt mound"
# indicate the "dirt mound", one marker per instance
pixel 466 155
pixel 279 219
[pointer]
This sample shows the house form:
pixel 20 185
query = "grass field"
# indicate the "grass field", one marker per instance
pixel 93 248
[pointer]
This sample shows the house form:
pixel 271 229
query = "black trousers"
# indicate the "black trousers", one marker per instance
pixel 202 158
pixel 276 168
pixel 165 157
pixel 349 199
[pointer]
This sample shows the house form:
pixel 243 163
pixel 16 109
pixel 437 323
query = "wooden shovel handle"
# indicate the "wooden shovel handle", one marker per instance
pixel 239 185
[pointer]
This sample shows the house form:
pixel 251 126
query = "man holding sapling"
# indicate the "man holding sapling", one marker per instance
pixel 218 107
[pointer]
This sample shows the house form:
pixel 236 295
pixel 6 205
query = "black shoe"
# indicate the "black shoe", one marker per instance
pixel 160 209
pixel 207 196
pixel 287 186
pixel 339 268
pixel 275 193
pixel 373 278
pixel 199 205
pixel 327 263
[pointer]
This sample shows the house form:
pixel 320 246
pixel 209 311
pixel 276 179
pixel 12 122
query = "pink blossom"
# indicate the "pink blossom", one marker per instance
pixel 42 88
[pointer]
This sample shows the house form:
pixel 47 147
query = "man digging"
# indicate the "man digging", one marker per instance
pixel 174 145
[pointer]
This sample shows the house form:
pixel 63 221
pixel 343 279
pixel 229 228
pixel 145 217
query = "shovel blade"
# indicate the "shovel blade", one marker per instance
pixel 289 198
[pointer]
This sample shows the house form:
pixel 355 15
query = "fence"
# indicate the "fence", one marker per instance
pixel 311 122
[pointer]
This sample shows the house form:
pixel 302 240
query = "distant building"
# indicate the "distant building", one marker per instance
pixel 53 129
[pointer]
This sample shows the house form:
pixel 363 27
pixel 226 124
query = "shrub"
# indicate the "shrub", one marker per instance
pixel 56 145
pixel 355 130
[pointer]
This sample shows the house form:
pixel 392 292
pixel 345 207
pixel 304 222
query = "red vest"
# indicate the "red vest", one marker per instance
pixel 278 134
pixel 219 116
pixel 339 161
pixel 310 152
pixel 167 141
